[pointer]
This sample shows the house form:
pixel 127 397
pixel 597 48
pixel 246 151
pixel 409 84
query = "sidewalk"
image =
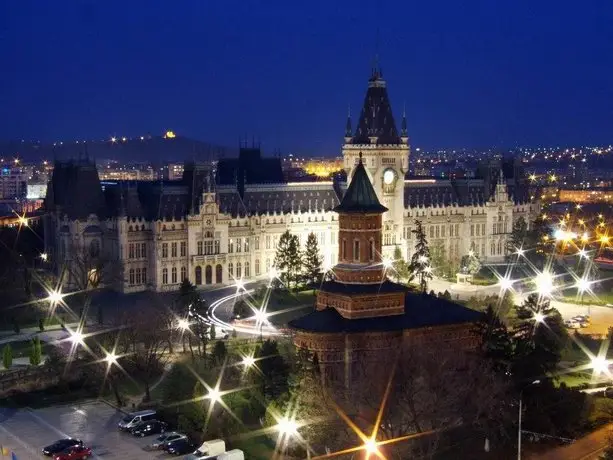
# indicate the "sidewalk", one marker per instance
pixel 589 447
pixel 50 334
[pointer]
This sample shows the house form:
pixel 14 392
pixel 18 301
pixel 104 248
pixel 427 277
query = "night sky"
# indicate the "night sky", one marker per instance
pixel 472 73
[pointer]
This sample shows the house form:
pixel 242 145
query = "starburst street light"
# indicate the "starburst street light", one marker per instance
pixel 600 365
pixel 183 324
pixel 544 283
pixel 423 259
pixel 273 273
pixel 582 253
pixel 287 427
pixel 539 317
pixel 370 446
pixel 520 252
pixel 248 361
pixel 214 395
pixel 44 257
pixel 239 284
pixel 111 358
pixel 55 296
pixel 582 285
pixel 387 263
pixel 76 337
pixel 506 283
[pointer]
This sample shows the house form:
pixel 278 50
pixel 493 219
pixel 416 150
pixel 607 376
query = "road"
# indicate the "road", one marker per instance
pixel 601 317
pixel 589 447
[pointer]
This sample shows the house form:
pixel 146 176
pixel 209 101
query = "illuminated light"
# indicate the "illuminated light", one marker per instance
pixel 544 217
pixel 123 139
pixel 583 285
pixel 248 361
pixel 604 239
pixel 287 426
pixel 578 206
pixel 77 337
pixel 16 161
pixel 422 259
pixel 600 216
pixel 170 135
pixel 582 253
pixel 370 446
pixel 327 266
pixel 142 138
pixel 428 269
pixel 506 283
pixel 239 284
pixel 111 358
pixel 559 234
pixel 260 316
pixel 600 364
pixel 539 317
pixel 113 139
pixel 183 324
pixel 553 178
pixel 520 252
pixel 23 221
pixel 214 395
pixel 471 253
pixel 44 256
pixel 581 222
pixel 273 273
pixel 387 263
pixel 544 283
pixel 532 177
pixel 55 296
pixel 388 177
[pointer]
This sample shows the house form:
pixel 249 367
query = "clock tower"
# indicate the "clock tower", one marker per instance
pixel 385 155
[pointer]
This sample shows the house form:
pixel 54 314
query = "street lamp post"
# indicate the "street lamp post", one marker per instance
pixel 520 411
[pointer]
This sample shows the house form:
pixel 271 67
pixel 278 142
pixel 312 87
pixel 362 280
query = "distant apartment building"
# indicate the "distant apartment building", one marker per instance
pixel 13 183
pixel 174 171
pixel 127 173
pixel 601 195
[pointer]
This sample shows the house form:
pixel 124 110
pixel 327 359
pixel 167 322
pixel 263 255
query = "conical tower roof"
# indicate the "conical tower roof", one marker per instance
pixel 360 197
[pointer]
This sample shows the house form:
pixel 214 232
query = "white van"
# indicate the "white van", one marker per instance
pixel 208 449
pixel 235 454
pixel 135 418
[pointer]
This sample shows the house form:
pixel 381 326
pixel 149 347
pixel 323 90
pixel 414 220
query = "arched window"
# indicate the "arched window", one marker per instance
pixel 174 274
pixel 238 270
pixel 257 267
pixel 208 274
pixel 198 274
pixel 144 275
pixel 344 250
pixel 138 276
pixel 231 269
pixel 218 274
pixel 356 250
pixel 131 276
pixel 164 276
pixel 183 273
pixel 247 270
pixel 94 248
pixel 371 255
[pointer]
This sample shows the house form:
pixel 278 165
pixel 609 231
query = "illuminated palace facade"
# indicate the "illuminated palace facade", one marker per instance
pixel 214 226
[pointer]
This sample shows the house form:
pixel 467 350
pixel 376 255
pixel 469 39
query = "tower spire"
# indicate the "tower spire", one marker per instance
pixel 403 126
pixel 348 131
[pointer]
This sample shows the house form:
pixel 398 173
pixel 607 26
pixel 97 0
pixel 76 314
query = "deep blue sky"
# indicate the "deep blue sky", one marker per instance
pixel 472 73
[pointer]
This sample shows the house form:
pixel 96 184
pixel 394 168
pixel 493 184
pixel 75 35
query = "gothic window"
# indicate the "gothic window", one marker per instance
pixel 199 248
pixel 137 251
pixel 356 250
pixel 173 250
pixel 143 250
pixel 483 229
pixel 183 248
pixel 239 243
pixel 231 269
pixel 164 276
pixel 257 267
pixel 131 277
pixel 231 246
pixel 246 248
pixel 472 230
pixel 208 247
pixel 131 251
pixel 198 275
pixel 494 229
pixel 174 274
pixel 216 242
pixel 268 265
pixel 256 243
pixel 247 269
pixel 183 273
pixel 144 275
pixel 239 270
pixel 164 250
pixel 267 241
pixel 438 231
pixel 492 248
pixel 138 276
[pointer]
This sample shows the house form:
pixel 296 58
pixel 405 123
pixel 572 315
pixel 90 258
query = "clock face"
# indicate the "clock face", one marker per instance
pixel 389 176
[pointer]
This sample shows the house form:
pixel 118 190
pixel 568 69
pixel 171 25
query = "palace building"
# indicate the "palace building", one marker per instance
pixel 215 226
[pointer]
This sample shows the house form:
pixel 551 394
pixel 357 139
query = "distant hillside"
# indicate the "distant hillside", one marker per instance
pixel 149 149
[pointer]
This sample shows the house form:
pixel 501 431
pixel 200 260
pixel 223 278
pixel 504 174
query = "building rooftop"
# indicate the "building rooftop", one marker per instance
pixel 360 197
pixel 421 310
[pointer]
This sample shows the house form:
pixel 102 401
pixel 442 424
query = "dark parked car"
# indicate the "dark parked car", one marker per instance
pixel 181 446
pixel 149 428
pixel 161 440
pixel 61 445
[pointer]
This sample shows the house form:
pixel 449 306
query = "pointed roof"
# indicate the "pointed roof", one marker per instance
pixel 360 197
pixel 376 118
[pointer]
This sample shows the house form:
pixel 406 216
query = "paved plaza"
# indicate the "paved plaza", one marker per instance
pixel 26 431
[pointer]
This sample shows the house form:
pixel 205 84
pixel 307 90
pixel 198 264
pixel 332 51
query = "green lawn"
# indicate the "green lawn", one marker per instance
pixel 574 379
pixel 285 306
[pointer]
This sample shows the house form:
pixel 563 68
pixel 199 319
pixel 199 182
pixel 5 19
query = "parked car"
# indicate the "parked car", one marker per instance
pixel 148 428
pixel 74 453
pixel 60 446
pixel 571 324
pixel 208 450
pixel 235 454
pixel 180 446
pixel 133 419
pixel 161 441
